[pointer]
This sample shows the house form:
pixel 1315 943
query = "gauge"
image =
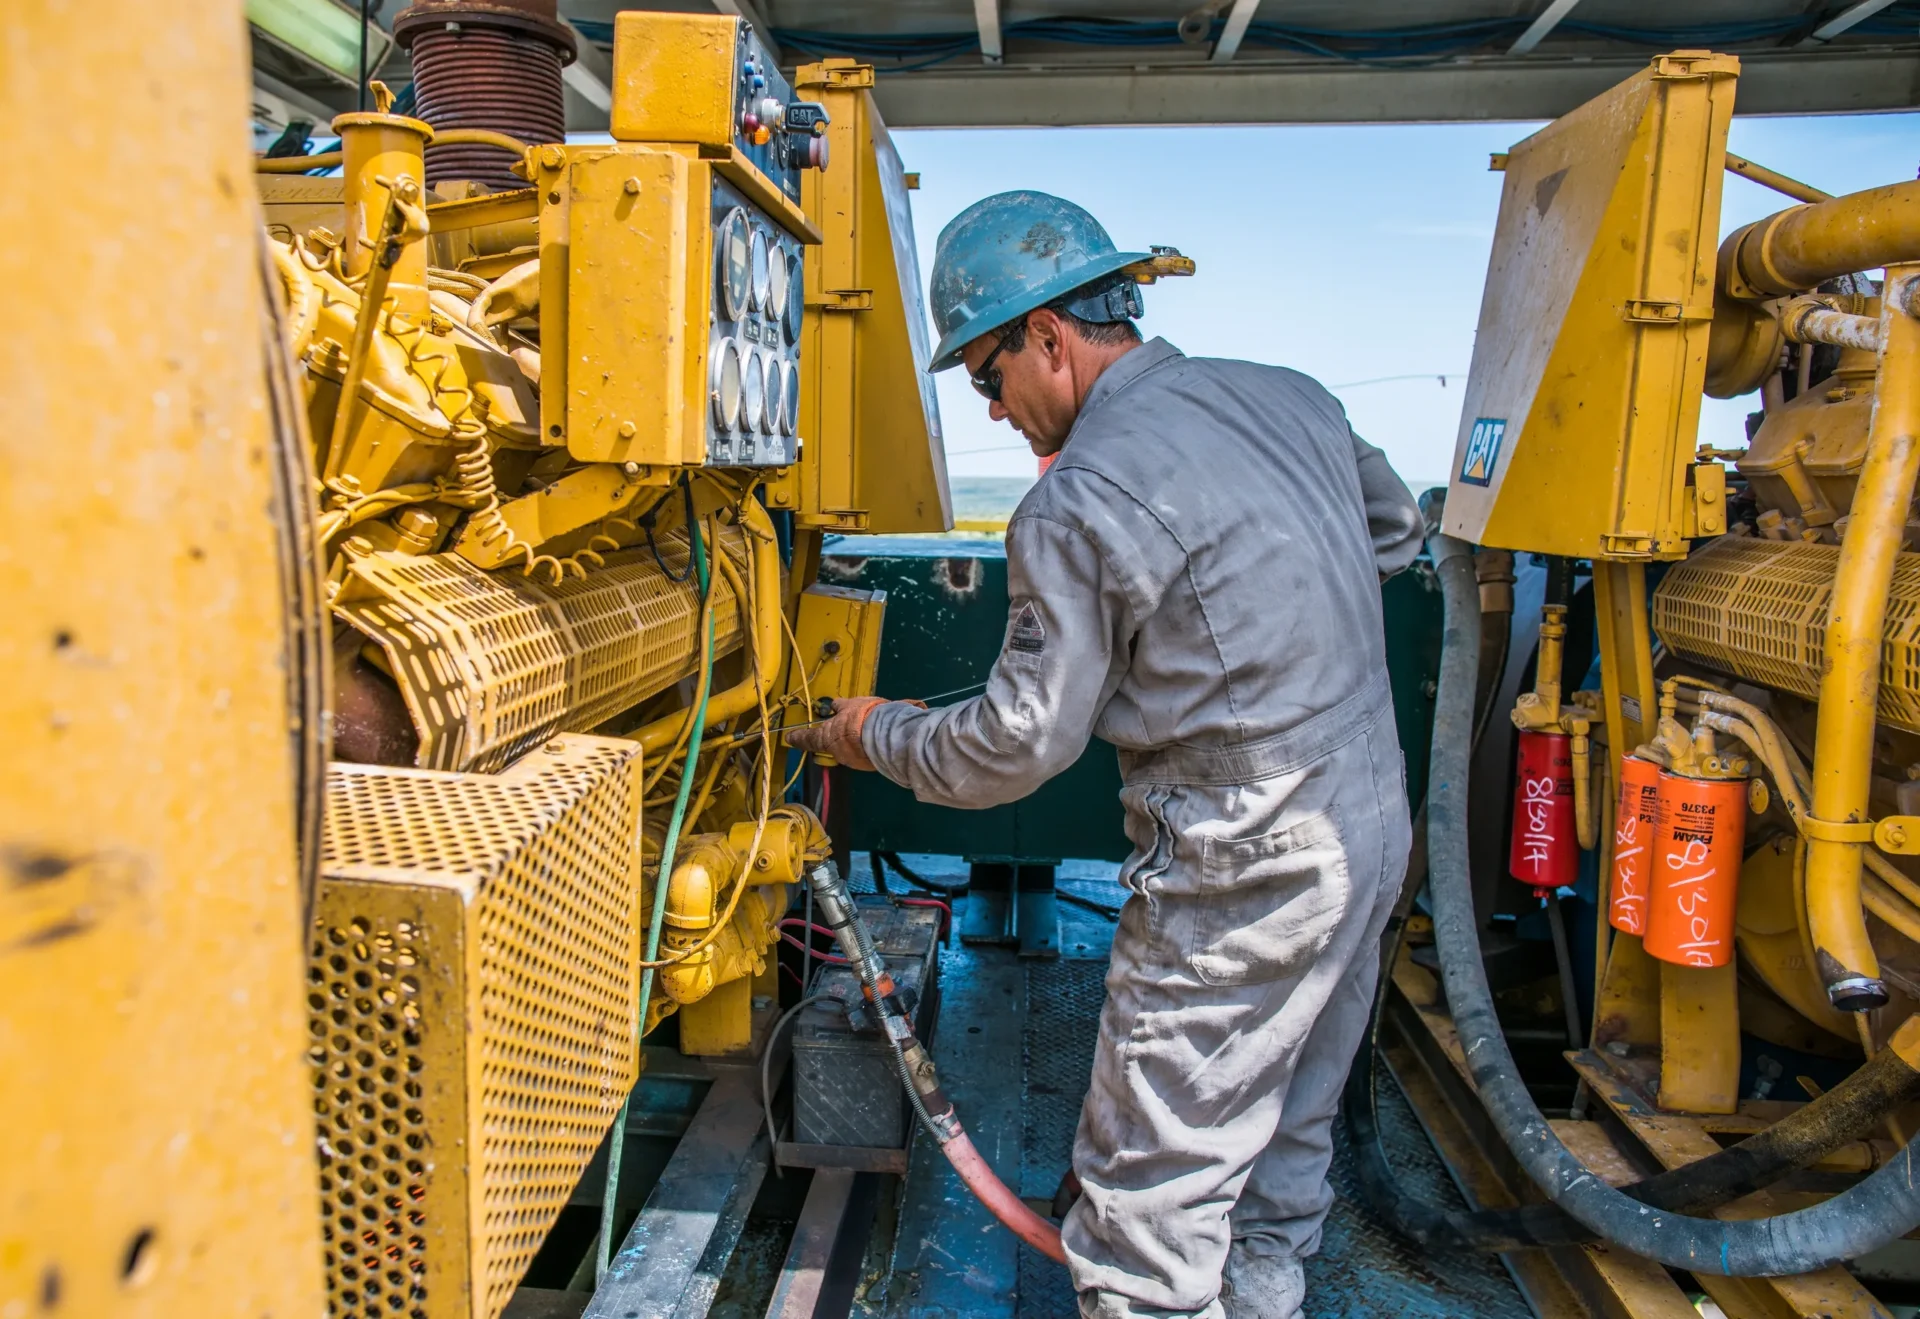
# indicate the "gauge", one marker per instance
pixel 790 405
pixel 776 397
pixel 777 272
pixel 761 273
pixel 796 302
pixel 725 383
pixel 753 392
pixel 735 242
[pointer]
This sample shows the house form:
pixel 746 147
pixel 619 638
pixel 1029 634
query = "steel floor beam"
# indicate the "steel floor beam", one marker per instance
pixel 1677 1139
pixel 1426 1057
pixel 671 1262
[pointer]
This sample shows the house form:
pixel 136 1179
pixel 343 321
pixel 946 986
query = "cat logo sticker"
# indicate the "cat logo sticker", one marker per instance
pixel 1483 450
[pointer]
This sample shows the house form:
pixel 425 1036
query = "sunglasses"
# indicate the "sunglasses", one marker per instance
pixel 987 381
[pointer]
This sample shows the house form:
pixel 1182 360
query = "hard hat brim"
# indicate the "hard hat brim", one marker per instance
pixel 946 354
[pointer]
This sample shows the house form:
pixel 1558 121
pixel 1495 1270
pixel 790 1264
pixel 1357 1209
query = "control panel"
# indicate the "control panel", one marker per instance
pixel 777 132
pixel 753 337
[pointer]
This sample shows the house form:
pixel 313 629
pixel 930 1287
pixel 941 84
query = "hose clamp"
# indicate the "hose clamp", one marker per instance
pixel 1834 831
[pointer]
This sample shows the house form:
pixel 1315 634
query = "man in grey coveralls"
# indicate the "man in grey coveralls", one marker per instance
pixel 1197 581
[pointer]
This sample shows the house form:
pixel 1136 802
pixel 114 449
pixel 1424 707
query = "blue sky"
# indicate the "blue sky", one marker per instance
pixel 1349 252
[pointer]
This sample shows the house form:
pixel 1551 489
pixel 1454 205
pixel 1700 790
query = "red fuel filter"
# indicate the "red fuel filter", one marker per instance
pixel 1546 850
pixel 1697 842
pixel 1633 825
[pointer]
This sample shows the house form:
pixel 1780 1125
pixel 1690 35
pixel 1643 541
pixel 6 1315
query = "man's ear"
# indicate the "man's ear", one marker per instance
pixel 1045 329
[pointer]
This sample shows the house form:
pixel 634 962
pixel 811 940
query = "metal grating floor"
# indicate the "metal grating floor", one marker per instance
pixel 951 1264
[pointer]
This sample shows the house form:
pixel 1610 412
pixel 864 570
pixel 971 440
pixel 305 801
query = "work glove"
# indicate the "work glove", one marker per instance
pixel 838 736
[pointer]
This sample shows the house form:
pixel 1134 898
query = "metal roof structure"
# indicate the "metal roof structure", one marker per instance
pixel 974 63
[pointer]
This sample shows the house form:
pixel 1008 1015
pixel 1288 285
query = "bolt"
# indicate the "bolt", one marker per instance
pixel 552 157
pixel 1896 837
pixel 631 187
pixel 554 748
pixel 760 1003
pixel 763 862
pixel 627 430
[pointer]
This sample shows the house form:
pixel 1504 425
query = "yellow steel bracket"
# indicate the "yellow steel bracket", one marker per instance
pixel 1898 834
pixel 1832 831
pixel 475 212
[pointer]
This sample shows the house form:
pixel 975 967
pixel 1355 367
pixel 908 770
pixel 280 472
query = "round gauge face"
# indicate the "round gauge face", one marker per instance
pixel 790 406
pixel 796 303
pixel 776 419
pixel 735 244
pixel 726 384
pixel 761 272
pixel 753 393
pixel 777 272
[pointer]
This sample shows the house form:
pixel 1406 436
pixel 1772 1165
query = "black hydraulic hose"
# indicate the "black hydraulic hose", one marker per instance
pixel 1848 1112
pixel 1868 1215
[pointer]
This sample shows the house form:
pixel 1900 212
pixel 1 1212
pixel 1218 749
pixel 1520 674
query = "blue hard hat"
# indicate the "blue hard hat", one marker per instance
pixel 1012 252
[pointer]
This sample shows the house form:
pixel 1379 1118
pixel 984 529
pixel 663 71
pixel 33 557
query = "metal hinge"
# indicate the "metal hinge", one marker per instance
pixel 1653 311
pixel 843 300
pixel 840 76
pixel 1694 65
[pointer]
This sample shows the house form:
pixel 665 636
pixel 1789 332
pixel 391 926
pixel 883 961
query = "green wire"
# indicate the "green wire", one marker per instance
pixel 603 1255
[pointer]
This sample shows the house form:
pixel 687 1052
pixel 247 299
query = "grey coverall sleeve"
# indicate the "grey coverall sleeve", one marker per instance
pixel 1393 518
pixel 1068 633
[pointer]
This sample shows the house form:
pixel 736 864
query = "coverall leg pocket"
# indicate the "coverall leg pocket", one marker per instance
pixel 1268 906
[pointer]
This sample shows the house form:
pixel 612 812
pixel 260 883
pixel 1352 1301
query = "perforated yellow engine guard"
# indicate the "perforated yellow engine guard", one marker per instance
pixel 1758 609
pixel 472 1010
pixel 493 663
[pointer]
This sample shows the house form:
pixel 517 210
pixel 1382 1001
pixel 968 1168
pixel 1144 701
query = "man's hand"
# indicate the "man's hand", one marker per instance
pixel 839 735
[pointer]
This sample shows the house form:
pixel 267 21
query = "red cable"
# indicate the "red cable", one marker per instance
pixel 797 923
pixel 946 918
pixel 823 957
pixel 1000 1201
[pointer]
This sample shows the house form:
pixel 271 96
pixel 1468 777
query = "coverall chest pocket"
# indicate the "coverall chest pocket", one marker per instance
pixel 1268 906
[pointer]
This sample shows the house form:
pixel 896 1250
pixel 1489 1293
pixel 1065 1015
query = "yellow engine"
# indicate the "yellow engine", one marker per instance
pixel 574 444
pixel 1780 642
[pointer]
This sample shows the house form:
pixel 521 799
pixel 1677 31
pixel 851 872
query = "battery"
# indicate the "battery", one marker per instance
pixel 846 1082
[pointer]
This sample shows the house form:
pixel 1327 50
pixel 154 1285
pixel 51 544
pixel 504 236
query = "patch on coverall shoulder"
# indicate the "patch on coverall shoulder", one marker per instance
pixel 1028 633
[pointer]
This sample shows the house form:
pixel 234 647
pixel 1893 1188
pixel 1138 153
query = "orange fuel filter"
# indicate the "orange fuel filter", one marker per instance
pixel 1699 832
pixel 1635 819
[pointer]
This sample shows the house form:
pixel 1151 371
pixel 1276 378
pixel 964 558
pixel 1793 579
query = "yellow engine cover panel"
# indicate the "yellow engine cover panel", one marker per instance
pixel 472 996
pixel 156 1151
pixel 1584 397
pixel 633 315
pixel 674 77
pixel 875 460
pixel 837 642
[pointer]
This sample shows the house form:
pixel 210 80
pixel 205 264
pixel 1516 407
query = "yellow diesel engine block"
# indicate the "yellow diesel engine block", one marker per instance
pixel 571 468
pixel 1778 642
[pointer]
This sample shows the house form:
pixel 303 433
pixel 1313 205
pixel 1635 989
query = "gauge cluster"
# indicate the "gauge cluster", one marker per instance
pixel 753 346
